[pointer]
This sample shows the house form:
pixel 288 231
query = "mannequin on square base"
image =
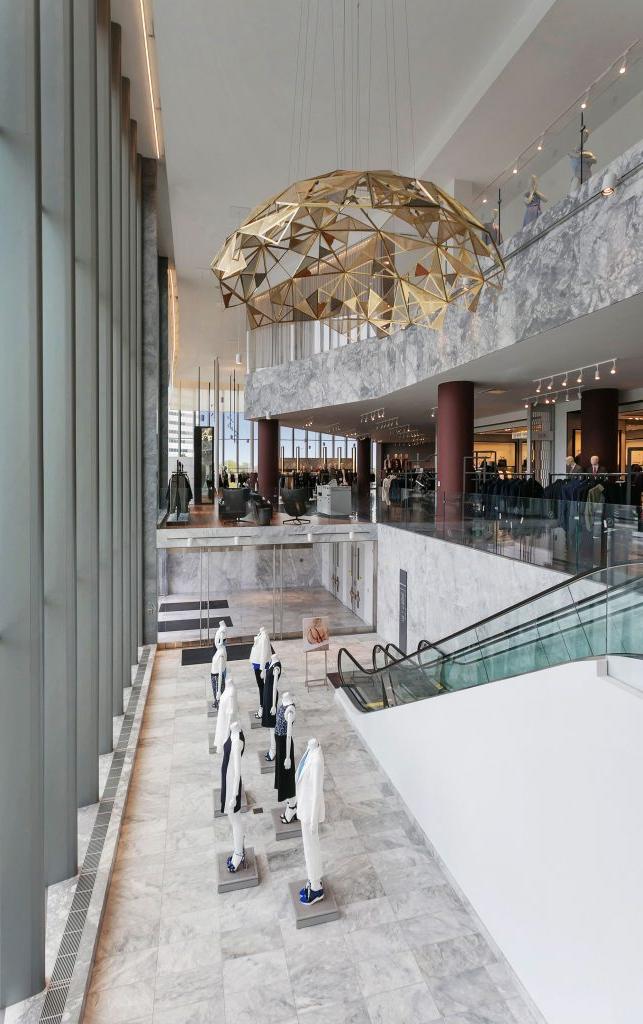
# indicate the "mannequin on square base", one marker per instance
pixel 270 698
pixel 311 812
pixel 285 757
pixel 219 664
pixel 233 749
pixel 228 713
pixel 259 658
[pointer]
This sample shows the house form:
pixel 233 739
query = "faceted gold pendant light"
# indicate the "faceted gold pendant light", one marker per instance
pixel 356 247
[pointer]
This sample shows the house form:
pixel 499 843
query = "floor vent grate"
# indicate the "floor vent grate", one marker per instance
pixel 56 997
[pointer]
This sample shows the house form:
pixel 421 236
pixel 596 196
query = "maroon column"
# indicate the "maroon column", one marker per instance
pixel 599 427
pixel 454 435
pixel 363 467
pixel 268 463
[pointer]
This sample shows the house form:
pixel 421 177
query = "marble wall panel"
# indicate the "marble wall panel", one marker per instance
pixel 564 275
pixel 247 568
pixel 449 586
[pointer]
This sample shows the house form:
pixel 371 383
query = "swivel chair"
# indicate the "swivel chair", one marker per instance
pixel 233 503
pixel 295 505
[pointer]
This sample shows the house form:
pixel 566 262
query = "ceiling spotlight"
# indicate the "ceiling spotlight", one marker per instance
pixel 540 146
pixel 567 396
pixel 515 170
pixel 583 105
pixel 553 401
pixel 539 387
pixel 526 405
pixel 597 375
pixel 237 359
pixel 547 400
pixel 551 384
pixel 613 370
pixel 565 380
pixel 623 67
pixel 484 199
pixel 579 379
pixel 432 414
pixel 609 183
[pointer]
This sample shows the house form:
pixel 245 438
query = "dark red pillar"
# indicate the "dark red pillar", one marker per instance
pixel 363 467
pixel 268 463
pixel 599 427
pixel 454 436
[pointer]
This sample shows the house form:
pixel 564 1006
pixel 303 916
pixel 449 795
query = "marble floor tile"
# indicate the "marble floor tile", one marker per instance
pixel 186 954
pixel 209 1011
pixel 453 956
pixel 468 990
pixel 118 1004
pixel 385 973
pixel 351 1011
pixel 413 1005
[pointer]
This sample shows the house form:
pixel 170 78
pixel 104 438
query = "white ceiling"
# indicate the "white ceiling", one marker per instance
pixel 485 78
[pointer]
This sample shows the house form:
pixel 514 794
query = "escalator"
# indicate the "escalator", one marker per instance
pixel 595 614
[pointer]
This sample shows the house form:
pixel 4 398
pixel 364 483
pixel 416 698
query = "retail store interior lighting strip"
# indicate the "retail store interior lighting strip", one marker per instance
pixel 149 79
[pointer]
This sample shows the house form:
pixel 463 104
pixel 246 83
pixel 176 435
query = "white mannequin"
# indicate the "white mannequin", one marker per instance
pixel 228 712
pixel 311 811
pixel 275 662
pixel 259 658
pixel 290 714
pixel 219 664
pixel 238 855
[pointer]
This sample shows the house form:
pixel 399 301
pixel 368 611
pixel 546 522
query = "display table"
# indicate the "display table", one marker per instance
pixel 334 501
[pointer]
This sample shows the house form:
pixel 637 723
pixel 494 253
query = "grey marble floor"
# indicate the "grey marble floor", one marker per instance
pixel 247 608
pixel 406 949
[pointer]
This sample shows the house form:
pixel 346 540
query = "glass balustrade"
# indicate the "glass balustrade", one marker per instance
pixel 598 614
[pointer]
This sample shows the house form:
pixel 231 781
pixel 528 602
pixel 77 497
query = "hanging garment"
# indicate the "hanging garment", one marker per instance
pixel 532 210
pixel 310 786
pixel 284 777
pixel 268 698
pixel 226 773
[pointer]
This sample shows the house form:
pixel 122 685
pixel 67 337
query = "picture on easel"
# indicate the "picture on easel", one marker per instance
pixel 316 633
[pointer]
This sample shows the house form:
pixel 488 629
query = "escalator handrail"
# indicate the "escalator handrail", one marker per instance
pixel 496 615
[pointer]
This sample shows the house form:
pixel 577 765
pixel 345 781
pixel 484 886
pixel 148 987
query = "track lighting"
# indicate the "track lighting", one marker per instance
pixel 565 380
pixel 613 370
pixel 609 184
pixel 597 375
pixel 551 384
pixel 526 405
pixel 578 395
pixel 539 387
pixel 515 170
pixel 546 401
pixel 579 379
pixel 623 67
pixel 553 401
pixel 540 146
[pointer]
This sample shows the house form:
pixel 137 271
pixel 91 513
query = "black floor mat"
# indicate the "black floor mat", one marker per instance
pixel 190 606
pixel 203 655
pixel 168 625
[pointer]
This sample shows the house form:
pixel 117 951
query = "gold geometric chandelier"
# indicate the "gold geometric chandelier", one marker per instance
pixel 355 248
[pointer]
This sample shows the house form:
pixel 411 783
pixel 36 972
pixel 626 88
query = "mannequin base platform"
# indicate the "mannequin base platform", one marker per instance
pixel 292 830
pixel 319 913
pixel 255 723
pixel 265 767
pixel 245 878
pixel 216 798
pixel 211 743
pixel 212 712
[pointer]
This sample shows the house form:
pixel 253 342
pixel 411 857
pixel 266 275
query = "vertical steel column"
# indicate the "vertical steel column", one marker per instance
pixel 154 300
pixel 117 377
pixel 216 425
pixel 86 234
pixel 105 385
pixel 22 892
pixel 140 589
pixel 133 405
pixel 126 660
pixel 58 410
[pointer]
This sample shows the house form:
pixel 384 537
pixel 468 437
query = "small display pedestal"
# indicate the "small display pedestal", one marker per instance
pixel 265 767
pixel 291 830
pixel 212 711
pixel 216 797
pixel 211 736
pixel 311 681
pixel 319 913
pixel 255 723
pixel 245 878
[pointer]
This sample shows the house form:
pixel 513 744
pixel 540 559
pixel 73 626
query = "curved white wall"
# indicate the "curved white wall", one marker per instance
pixel 530 791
